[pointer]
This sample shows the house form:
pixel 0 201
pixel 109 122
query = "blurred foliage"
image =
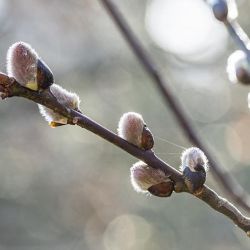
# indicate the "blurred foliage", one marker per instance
pixel 65 188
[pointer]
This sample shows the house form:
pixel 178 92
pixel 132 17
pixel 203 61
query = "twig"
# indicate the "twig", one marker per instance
pixel 221 11
pixel 233 189
pixel 9 87
pixel 238 35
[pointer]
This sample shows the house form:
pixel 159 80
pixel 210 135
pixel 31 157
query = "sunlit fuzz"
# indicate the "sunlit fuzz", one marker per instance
pixel 147 179
pixel 24 64
pixel 194 166
pixel 193 158
pixel 238 67
pixel 66 98
pixel 132 128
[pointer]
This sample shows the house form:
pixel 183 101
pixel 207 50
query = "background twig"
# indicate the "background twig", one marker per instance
pixel 239 36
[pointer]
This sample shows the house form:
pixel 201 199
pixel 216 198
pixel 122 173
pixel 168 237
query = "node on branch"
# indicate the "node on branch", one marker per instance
pixel 66 98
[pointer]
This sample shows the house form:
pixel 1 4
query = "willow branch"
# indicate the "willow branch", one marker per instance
pixel 234 190
pixel 238 35
pixel 9 88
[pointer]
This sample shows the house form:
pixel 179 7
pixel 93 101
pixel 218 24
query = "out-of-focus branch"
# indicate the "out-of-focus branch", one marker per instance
pixel 238 63
pixel 10 87
pixel 221 11
pixel 239 36
pixel 235 191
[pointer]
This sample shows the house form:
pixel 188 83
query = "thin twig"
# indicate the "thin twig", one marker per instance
pixel 222 14
pixel 239 36
pixel 10 88
pixel 233 189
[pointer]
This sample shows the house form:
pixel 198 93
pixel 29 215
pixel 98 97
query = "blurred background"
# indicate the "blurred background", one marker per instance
pixel 66 188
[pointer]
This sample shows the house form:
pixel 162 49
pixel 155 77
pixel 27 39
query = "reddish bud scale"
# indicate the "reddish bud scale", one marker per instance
pixel 147 139
pixel 163 189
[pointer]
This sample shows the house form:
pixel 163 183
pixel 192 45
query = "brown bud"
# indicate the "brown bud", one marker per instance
pixel 44 76
pixel 220 10
pixel 238 68
pixel 243 75
pixel 163 189
pixel 147 139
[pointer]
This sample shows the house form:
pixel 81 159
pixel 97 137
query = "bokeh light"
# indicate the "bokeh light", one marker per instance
pixel 186 28
pixel 127 232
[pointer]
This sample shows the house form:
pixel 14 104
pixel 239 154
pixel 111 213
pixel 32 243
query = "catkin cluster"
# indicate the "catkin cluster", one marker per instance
pixel 30 71
pixel 146 179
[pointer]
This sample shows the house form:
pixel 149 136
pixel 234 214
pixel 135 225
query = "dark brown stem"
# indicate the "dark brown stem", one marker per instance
pixel 234 190
pixel 12 88
pixel 223 206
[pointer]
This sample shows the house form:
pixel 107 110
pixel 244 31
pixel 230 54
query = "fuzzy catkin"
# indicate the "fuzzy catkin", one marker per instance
pixel 130 128
pixel 238 68
pixel 144 176
pixel 22 64
pixel 192 157
pixel 66 98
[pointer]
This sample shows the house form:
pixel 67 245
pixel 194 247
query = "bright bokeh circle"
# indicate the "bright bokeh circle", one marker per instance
pixel 186 28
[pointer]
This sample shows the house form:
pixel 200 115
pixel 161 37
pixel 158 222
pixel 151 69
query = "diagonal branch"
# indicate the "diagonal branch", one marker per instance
pixel 239 36
pixel 9 87
pixel 229 184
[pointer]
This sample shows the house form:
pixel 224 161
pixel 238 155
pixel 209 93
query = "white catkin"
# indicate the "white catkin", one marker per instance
pixel 130 127
pixel 236 60
pixel 191 157
pixel 22 63
pixel 144 176
pixel 66 98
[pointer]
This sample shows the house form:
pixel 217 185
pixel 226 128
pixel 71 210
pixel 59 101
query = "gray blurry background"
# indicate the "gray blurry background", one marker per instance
pixel 65 188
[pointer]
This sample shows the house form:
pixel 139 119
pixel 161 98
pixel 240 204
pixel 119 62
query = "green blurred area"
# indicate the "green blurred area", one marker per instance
pixel 65 188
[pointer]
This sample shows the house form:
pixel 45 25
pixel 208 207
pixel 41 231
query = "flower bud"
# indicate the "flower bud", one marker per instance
pixel 24 64
pixel 132 128
pixel 220 9
pixel 163 189
pixel 147 179
pixel 66 98
pixel 194 167
pixel 238 68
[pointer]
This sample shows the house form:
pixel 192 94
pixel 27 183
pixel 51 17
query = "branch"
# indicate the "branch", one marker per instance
pixel 238 35
pixel 234 190
pixel 10 87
